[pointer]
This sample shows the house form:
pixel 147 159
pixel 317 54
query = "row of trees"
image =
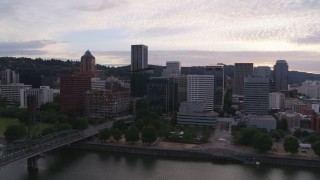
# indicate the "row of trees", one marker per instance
pixel 262 141
pixel 253 137
pixel 132 134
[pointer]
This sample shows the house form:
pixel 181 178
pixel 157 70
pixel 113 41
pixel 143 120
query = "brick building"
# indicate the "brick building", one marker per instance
pixel 72 91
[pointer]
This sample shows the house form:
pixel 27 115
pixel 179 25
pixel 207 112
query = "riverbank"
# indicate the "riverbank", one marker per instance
pixel 202 154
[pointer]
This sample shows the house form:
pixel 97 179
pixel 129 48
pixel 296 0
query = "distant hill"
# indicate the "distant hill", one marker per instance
pixel 44 72
pixel 299 77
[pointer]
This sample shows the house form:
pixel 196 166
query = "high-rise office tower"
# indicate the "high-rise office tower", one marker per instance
pixel 218 73
pixel 139 70
pixel 256 95
pixel 88 63
pixel 182 89
pixel 162 94
pixel 139 57
pixel 201 89
pixel 241 70
pixel 73 88
pixel 173 68
pixel 9 77
pixel 280 75
pixel 262 71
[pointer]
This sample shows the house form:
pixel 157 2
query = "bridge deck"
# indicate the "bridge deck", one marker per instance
pixel 12 153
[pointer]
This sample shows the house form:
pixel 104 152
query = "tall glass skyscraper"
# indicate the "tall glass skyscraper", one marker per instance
pixel 241 70
pixel 139 57
pixel 280 75
pixel 139 70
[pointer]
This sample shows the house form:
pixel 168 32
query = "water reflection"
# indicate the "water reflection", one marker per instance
pixel 82 165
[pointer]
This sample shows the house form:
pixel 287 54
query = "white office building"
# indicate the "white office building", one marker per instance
pixel 276 101
pixel 173 68
pixel 310 88
pixel 201 88
pixel 97 83
pixel 42 95
pixel 12 91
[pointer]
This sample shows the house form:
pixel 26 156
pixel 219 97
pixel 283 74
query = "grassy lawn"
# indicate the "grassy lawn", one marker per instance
pixel 42 126
pixel 5 122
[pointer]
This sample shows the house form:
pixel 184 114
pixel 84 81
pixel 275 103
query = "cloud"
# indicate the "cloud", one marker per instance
pixel 310 39
pixel 216 30
pixel 99 5
pixel 35 44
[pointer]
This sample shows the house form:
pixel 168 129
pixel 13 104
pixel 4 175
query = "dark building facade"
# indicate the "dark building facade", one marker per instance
pixel 139 71
pixel 162 94
pixel 280 75
pixel 138 83
pixel 182 88
pixel 241 70
pixel 256 95
pixel 73 88
pixel 139 57
pixel 218 73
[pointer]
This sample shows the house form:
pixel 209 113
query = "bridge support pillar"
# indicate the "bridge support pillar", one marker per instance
pixel 33 163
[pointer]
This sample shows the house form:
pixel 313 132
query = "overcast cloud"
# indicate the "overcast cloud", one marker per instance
pixel 256 31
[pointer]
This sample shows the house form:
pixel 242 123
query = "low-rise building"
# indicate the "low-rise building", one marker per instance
pixel 293 118
pixel 194 113
pixel 12 92
pixel 108 104
pixel 42 95
pixel 276 100
pixel 262 122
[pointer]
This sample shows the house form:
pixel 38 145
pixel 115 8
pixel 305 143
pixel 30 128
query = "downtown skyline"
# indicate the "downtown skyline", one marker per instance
pixel 196 33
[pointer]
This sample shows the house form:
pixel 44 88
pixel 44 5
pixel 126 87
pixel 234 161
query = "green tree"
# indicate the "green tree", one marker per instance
pixel 14 132
pixel 148 135
pixel 297 133
pixel 80 124
pixel 174 119
pixel 116 134
pixel 132 134
pixel 62 126
pixel 291 144
pixel 277 134
pixel 121 125
pixel 305 134
pixel 189 133
pixel 139 124
pixel 104 135
pixel 316 147
pixel 262 142
pixel 247 135
pixel 47 131
pixel 283 124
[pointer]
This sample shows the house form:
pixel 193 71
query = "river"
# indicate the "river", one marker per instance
pixel 68 164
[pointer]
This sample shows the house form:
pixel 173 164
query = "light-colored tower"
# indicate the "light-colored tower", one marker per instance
pixel 201 89
pixel 88 63
pixel 173 68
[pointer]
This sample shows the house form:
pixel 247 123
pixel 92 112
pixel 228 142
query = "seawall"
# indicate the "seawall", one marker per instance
pixel 202 154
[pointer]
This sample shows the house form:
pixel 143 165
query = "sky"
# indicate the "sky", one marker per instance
pixel 195 32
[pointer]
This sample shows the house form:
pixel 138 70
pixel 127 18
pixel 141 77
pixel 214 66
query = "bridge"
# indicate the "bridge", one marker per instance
pixel 32 150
